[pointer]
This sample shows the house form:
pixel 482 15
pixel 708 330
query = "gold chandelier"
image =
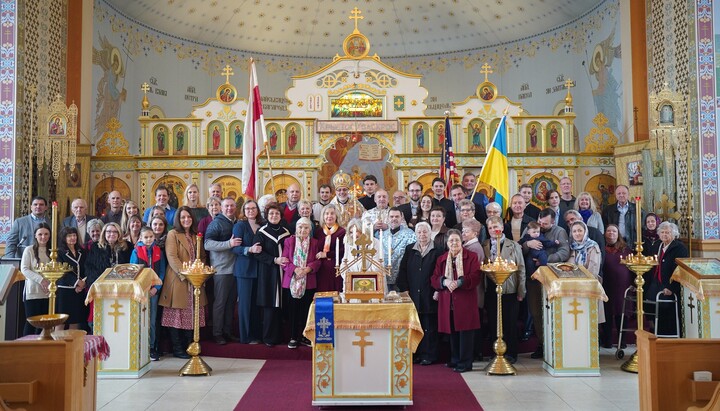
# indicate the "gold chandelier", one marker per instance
pixel 57 137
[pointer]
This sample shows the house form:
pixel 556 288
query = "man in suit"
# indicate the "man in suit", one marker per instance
pixel 439 199
pixel 289 208
pixel 78 219
pixel 412 207
pixel 623 214
pixel 114 214
pixel 23 229
pixel 370 186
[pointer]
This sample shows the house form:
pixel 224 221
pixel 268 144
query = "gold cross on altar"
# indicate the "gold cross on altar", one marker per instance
pixel 145 87
pixel 691 305
pixel 227 72
pixel 485 69
pixel 116 306
pixel 575 304
pixel 356 16
pixel 362 343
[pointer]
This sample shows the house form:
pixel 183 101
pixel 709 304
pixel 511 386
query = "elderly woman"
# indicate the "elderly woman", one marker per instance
pixel 650 237
pixel 299 280
pixel 35 293
pixel 192 200
pixel 513 289
pixel 327 234
pixel 616 279
pixel 586 252
pixel 176 296
pixel 438 230
pixel 94 228
pixel 585 204
pixel 246 272
pixel 456 275
pixel 416 269
pixel 670 249
pixel 270 260
pixel 213 205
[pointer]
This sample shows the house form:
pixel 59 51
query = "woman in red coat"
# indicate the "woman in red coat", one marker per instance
pixel 301 251
pixel 456 277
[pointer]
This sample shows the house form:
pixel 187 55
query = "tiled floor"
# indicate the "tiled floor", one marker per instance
pixel 532 389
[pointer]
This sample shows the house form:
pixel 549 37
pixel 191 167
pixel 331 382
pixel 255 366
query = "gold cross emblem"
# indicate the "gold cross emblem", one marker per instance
pixel 145 87
pixel 575 304
pixel 485 69
pixel 362 343
pixel 691 305
pixel 356 16
pixel 227 72
pixel 116 306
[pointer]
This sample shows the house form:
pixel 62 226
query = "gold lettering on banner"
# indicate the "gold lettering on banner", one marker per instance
pixel 575 304
pixel 370 152
pixel 116 313
pixel 362 343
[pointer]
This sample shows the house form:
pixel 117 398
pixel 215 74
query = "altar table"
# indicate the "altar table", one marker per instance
pixel 700 296
pixel 122 316
pixel 371 362
pixel 570 320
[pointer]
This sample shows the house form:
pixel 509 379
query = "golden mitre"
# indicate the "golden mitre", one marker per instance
pixel 341 179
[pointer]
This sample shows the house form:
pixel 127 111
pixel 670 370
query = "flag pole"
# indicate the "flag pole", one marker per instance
pixel 272 177
pixel 477 180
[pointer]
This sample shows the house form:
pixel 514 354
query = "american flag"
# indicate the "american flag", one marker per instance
pixel 448 172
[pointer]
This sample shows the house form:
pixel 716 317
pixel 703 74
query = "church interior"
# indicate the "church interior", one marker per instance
pixel 131 96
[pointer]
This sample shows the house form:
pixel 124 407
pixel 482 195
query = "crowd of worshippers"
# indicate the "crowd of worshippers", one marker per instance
pixel 272 257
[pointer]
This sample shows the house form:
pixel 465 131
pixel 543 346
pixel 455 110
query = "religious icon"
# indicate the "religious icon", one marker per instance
pixel 486 91
pixel 293 132
pixel 667 115
pixel 487 94
pixel 476 131
pixel 420 137
pixel 73 176
pixel 602 188
pixel 160 141
pixel 420 131
pixel 226 93
pixel 292 139
pixel 216 138
pixel 273 138
pixel 238 137
pixel 542 183
pixel 634 172
pixel 552 143
pixel 237 130
pixel 356 46
pixel 56 127
pixel 364 284
pixel 440 136
pixel 180 140
pixel 533 139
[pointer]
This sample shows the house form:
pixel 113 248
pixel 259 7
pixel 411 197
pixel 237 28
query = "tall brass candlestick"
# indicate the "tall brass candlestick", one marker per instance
pixel 639 264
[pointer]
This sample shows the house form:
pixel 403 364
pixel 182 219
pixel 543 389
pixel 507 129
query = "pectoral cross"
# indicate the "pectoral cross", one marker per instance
pixel 691 305
pixel 324 324
pixel 575 304
pixel 227 72
pixel 362 343
pixel 485 69
pixel 116 306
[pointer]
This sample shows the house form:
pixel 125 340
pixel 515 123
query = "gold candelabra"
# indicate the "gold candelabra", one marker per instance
pixel 197 273
pixel 639 264
pixel 499 270
pixel 51 271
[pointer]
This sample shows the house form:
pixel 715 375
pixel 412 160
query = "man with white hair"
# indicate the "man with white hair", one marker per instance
pixel 78 219
pixel 377 217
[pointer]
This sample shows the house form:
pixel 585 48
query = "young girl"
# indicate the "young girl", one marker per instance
pixel 35 293
pixel 148 253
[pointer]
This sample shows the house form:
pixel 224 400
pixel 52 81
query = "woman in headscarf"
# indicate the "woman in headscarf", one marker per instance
pixel 650 237
pixel 586 252
pixel 669 249
pixel 616 279
pixel 270 237
pixel 416 269
pixel 302 266
pixel 327 234
pixel 456 275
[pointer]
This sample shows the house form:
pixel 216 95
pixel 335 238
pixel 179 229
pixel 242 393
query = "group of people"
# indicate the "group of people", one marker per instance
pixel 270 258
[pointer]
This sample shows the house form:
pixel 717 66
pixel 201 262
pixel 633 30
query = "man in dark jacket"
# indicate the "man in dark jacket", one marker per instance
pixel 623 214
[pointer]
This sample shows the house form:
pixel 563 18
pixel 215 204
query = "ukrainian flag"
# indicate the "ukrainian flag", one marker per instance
pixel 495 169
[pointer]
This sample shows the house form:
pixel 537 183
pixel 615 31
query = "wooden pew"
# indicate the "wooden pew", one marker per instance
pixel 665 372
pixel 46 375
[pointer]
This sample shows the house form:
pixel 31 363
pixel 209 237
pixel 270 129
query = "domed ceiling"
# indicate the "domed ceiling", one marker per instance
pixel 395 28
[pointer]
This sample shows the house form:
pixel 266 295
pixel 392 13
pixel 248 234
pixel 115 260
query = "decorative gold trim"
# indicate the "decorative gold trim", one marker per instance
pixel 600 139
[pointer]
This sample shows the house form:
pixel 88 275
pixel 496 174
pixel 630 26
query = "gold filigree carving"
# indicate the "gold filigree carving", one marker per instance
pixel 113 142
pixel 601 139
pixel 332 79
pixel 380 79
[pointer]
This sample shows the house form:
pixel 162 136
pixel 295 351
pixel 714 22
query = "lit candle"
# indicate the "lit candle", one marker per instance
pixel 337 251
pixel 53 244
pixel 638 217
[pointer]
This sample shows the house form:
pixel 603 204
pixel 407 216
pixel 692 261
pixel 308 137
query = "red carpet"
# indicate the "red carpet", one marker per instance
pixel 255 351
pixel 286 385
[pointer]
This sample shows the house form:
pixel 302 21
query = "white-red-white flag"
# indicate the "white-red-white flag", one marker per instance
pixel 255 137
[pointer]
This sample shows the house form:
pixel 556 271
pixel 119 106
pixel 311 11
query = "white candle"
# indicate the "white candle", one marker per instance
pixel 337 251
pixel 389 262
pixel 355 237
pixel 381 242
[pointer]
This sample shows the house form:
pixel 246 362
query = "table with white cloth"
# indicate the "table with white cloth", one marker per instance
pixel 570 319
pixel 371 361
pixel 700 296
pixel 122 316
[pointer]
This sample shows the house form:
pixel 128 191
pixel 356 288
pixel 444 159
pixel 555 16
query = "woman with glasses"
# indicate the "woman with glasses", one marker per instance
pixel 246 272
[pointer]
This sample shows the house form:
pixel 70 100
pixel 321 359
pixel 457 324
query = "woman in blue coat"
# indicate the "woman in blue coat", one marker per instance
pixel 246 273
